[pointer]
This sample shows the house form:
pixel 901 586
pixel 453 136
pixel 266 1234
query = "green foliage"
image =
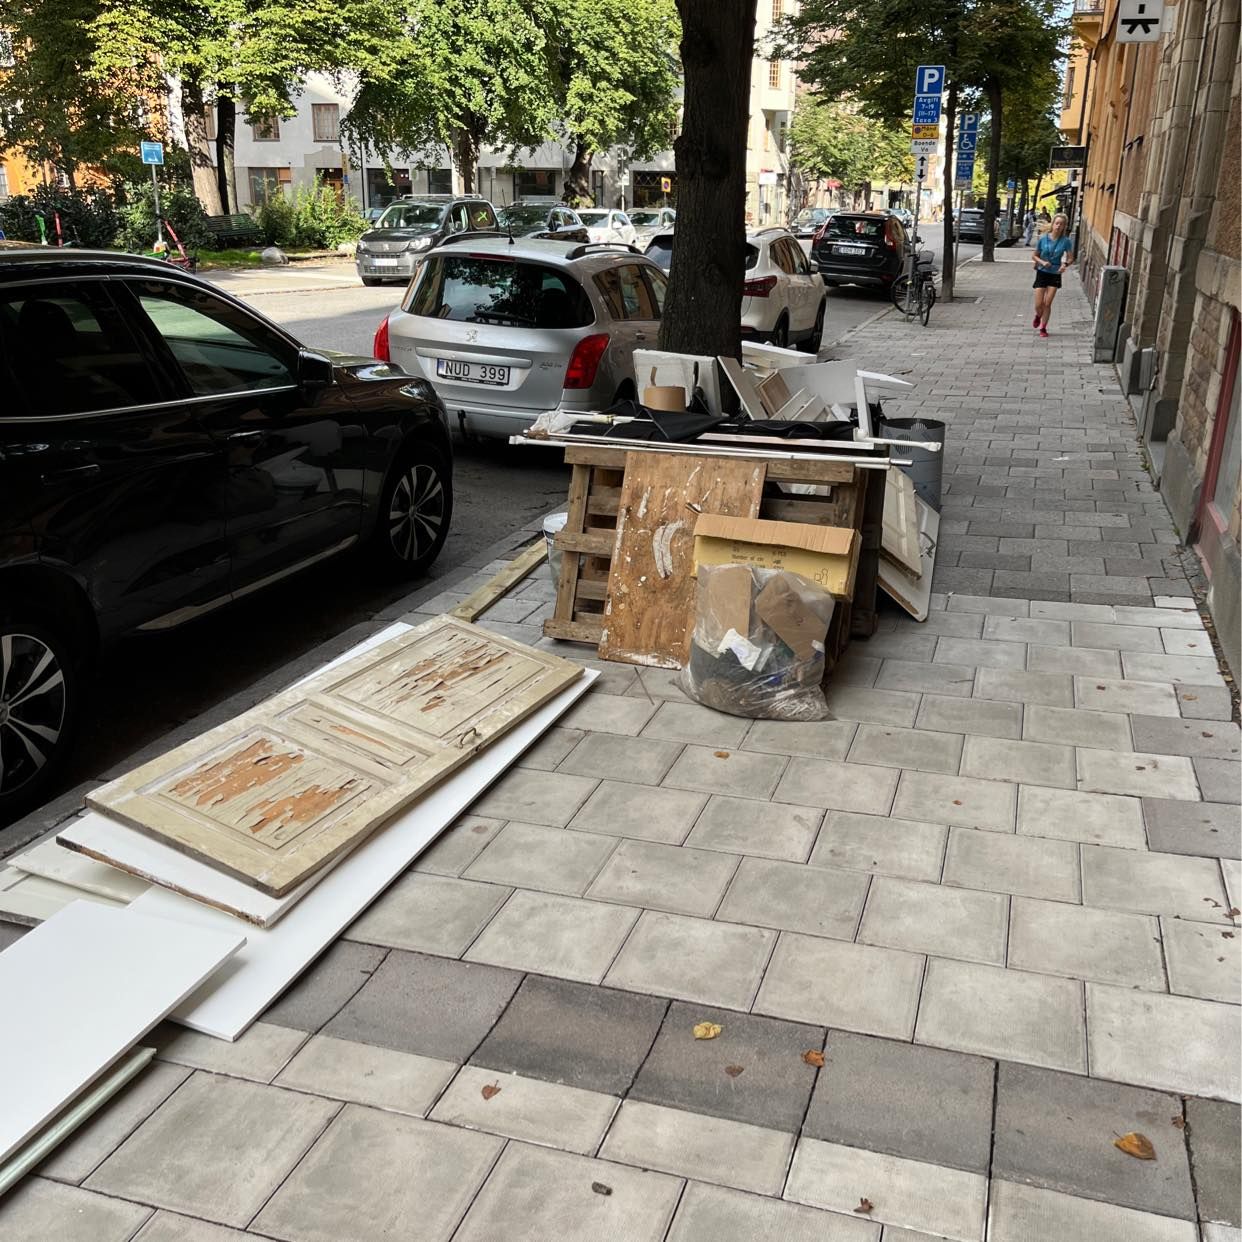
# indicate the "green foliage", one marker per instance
pixel 316 218
pixel 835 141
pixel 178 206
pixel 87 217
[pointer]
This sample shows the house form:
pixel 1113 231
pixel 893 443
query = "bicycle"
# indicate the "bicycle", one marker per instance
pixel 917 298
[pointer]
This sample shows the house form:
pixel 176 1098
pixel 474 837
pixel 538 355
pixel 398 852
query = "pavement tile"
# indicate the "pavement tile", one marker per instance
pixel 921 750
pixel 901 847
pixel 458 845
pixel 819 901
pixel 854 669
pixel 433 1006
pixel 1214 1127
pixel 1071 726
pixel 43 1210
pixel 573 1033
pixel 597 712
pixel 950 624
pixel 1047 632
pixel 963 801
pixel 1089 661
pixel 1204 702
pixel 1210 1232
pixel 946 1202
pixel 550 798
pixel 1204 960
pixel 401 1082
pixel 693 959
pixel 1019 1213
pixel 981 716
pixel 717 1214
pixel 1186 642
pixel 1231 869
pixel 931 918
pixel 1219 780
pixel 856 987
pixel 1208 829
pixel 1037 1019
pixel 554 935
pixel 1188 670
pixel 743 773
pixel 550 749
pixel 1055 938
pixel 1137 773
pixel 169 1227
pixel 905 1100
pixel 765 829
pixel 1054 1130
pixel 1099 819
pixel 837 786
pixel 709 1149
pixel 772 1087
pixel 372 1173
pixel 868 706
pixel 1172 1043
pixel 1015 686
pixel 644 760
pixel 317 995
pixel 903 644
pixel 529 1109
pixel 217 1148
pixel 691 722
pixel 980 653
pixel 827 739
pixel 1184 617
pixel 658 684
pixel 949 679
pixel 1151 883
pixel 1167 736
pixel 1108 694
pixel 537 1193
pixel 1118 637
pixel 1052 610
pixel 1028 763
pixel 648 814
pixel 530 856
pixel 432 913
pixel 260 1054
pixel 992 607
pixel 1002 862
pixel 665 877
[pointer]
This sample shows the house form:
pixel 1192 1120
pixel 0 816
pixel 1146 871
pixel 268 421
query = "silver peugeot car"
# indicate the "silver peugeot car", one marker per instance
pixel 506 330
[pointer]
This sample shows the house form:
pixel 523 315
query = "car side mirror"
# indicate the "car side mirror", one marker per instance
pixel 314 371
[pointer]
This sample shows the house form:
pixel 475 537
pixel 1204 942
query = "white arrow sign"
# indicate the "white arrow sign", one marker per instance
pixel 920 167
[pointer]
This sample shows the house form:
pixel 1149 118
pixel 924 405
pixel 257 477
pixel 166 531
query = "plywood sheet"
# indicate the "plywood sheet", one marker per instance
pixel 914 594
pixel 651 583
pixel 83 988
pixel 283 789
pixel 901 522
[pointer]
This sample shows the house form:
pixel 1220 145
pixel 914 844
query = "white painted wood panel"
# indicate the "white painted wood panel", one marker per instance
pixel 53 862
pixel 29 899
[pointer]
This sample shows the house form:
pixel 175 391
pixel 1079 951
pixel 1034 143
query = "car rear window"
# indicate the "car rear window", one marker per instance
pixel 866 227
pixel 752 256
pixel 660 250
pixel 470 288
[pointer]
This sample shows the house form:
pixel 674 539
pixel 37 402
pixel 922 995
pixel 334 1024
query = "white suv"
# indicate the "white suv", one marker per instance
pixel 605 225
pixel 783 300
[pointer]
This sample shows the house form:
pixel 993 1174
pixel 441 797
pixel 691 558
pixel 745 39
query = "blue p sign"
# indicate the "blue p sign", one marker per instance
pixel 929 80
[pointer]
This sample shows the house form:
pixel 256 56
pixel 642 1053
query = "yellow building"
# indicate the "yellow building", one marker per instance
pixel 1087 20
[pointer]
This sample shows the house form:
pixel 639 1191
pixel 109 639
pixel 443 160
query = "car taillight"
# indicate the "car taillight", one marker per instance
pixel 888 240
pixel 759 288
pixel 818 235
pixel 584 361
pixel 380 348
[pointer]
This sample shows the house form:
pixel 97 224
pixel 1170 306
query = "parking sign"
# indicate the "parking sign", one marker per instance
pixel 929 80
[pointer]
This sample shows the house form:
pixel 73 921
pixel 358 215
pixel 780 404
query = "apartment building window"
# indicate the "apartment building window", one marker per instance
pixel 439 181
pixel 266 130
pixel 326 122
pixel 778 10
pixel 774 75
pixel 534 183
pixel 4 182
pixel 266 183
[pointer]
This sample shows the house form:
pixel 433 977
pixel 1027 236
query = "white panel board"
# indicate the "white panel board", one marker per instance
pixel 53 862
pixel 231 1000
pixel 81 990
pixel 914 594
pixel 29 899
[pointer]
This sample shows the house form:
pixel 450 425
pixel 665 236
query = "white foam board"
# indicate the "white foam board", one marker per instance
pixel 52 862
pixel 273 957
pixel 82 989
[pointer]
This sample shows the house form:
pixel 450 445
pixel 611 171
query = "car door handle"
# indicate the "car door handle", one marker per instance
pixel 52 477
pixel 245 437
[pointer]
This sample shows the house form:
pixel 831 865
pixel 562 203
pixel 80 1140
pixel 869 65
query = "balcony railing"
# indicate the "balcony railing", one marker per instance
pixel 1088 6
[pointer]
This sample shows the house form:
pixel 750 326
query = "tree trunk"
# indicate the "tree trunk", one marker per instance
pixel 703 308
pixel 466 156
pixel 578 178
pixel 991 210
pixel 194 113
pixel 947 272
pixel 226 135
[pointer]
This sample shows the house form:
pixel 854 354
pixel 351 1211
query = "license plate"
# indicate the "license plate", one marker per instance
pixel 383 262
pixel 472 372
pixel 851 250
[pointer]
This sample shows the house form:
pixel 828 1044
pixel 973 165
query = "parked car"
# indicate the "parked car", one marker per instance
pixel 546 220
pixel 968 223
pixel 860 248
pixel 810 220
pixel 783 300
pixel 906 218
pixel 410 226
pixel 605 225
pixel 506 330
pixel 648 221
pixel 165 449
pixel 660 249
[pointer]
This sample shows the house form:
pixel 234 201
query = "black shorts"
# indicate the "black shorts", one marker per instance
pixel 1047 280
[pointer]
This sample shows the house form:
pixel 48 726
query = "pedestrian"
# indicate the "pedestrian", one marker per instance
pixel 1029 225
pixel 1051 256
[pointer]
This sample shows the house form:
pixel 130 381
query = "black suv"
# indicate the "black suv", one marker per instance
pixel 409 227
pixel 542 220
pixel 164 450
pixel 860 248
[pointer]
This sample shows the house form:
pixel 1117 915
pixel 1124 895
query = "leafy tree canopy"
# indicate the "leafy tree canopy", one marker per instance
pixel 831 140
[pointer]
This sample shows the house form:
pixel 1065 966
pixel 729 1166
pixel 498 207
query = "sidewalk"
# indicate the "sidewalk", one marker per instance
pixel 997 895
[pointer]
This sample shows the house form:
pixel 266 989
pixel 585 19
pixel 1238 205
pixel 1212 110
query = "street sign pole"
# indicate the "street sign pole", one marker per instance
pixel 153 154
pixel 924 139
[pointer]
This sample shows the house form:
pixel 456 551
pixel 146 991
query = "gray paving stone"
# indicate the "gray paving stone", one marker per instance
pixel 1109 694
pixel 40 1209
pixel 1002 862
pixel 1027 630
pixel 931 918
pixel 828 739
pixel 1219 780
pixel 981 653
pixel 647 814
pixel 717 1214
pixel 950 679
pixel 458 846
pixel 1028 763
pixel 765 829
pixel 1185 642
pixel 550 749
pixel 665 877
pixel 217 1149
pixel 11 933
pixel 743 773
pixel 902 645
pixel 691 722
pixel 1204 702
pixel 170 1227
pixel 856 987
pixel 429 1005
pixel 950 624
pixel 790 897
pixel 431 913
pixel 978 716
pixel 551 798
pixel 693 959
pixel 772 1087
pixel 1188 670
pixel 986 604
pixel 1071 726
pixel 1119 637
pixel 1037 1019
pixel 837 786
pixel 577 1034
pixel 868 706
pixel 854 669
pixel 537 1193
pixel 1213 1127
pixel 1017 1213
pixel 1055 611
pixel 957 800
pixel 643 760
pixel 1152 883
pixel 1137 773
pixel 905 1100
pixel 373 1172
pixel 259 1054
pixel 919 749
pixel 1203 959
pixel 902 847
pixel 1103 819
pixel 1208 829
pixel 1164 618
pixel 1167 736
pixel 316 996
pixel 1088 661
pixel 1015 686
pixel 533 856
pixel 1055 1130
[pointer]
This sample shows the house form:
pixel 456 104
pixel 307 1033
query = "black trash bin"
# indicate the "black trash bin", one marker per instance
pixel 926 466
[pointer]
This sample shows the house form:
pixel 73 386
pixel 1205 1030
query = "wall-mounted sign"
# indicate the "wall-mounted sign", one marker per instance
pixel 1067 157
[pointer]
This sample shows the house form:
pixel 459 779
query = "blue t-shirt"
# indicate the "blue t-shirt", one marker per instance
pixel 1052 251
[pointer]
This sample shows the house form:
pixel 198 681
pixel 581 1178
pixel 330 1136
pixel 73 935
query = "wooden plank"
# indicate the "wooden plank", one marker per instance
pixel 281 790
pixel 52 862
pixel 590 543
pixel 914 594
pixel 901 523
pixel 650 586
pixel 88 984
pixel 579 481
pixel 820 469
pixel 502 582
pixel 870 525
pixel 575 631
pixel 231 1000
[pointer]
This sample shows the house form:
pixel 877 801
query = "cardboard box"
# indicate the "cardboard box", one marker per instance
pixel 827 555
pixel 724 601
pixel 783 611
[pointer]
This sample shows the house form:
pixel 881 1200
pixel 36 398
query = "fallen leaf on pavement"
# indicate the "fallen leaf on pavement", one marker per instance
pixel 1226 935
pixel 490 1090
pixel 707 1030
pixel 813 1056
pixel 1179 1122
pixel 601 1189
pixel 957 802
pixel 734 1070
pixel 1190 698
pixel 864 1206
pixel 1232 912
pixel 1136 1145
pixel 722 754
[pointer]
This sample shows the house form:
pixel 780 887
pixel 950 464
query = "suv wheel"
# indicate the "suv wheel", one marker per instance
pixel 815 340
pixel 415 510
pixel 371 281
pixel 780 334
